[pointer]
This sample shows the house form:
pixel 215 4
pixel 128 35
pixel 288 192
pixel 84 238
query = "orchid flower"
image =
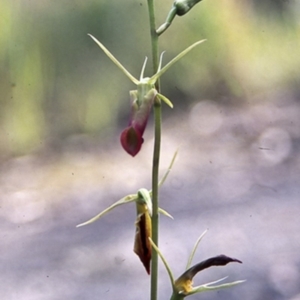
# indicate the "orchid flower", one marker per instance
pixel 142 99
pixel 183 285
pixel 142 245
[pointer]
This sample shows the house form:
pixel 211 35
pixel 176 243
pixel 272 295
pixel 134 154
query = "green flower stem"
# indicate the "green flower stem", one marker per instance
pixel 156 153
pixel 154 38
pixel 155 215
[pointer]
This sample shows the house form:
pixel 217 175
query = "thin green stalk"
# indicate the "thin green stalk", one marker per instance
pixel 156 154
pixel 154 38
pixel 155 215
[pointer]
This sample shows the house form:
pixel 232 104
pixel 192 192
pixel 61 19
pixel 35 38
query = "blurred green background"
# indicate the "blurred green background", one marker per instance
pixel 55 82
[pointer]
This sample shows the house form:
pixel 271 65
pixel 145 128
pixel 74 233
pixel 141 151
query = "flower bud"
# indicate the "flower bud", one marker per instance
pixel 183 6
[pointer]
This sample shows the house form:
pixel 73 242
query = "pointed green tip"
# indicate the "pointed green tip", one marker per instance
pixel 114 60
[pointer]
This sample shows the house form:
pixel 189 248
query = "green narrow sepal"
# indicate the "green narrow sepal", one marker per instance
pixel 169 169
pixel 143 196
pixel 114 60
pixel 164 212
pixel 124 200
pixel 173 61
pixel 194 249
pixel 211 287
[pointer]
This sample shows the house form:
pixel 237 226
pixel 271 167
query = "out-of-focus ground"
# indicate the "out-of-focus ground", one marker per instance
pixel 236 121
pixel 236 174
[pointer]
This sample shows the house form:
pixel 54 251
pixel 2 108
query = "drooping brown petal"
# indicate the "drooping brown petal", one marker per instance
pixel 142 246
pixel 185 281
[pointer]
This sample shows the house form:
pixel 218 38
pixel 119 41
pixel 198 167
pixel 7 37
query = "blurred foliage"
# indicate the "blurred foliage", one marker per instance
pixel 56 82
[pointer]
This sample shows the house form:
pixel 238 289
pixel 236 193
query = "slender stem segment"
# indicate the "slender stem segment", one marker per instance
pixel 156 154
pixel 154 37
pixel 155 215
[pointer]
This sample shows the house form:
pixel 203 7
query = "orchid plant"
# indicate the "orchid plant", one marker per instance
pixel 146 97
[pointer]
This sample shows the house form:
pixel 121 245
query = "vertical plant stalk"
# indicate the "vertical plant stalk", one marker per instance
pixel 155 215
pixel 156 153
pixel 154 38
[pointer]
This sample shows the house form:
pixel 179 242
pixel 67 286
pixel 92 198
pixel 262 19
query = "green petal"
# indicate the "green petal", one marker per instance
pixel 165 99
pixel 173 61
pixel 162 211
pixel 143 69
pixel 127 199
pixel 169 169
pixel 194 249
pixel 211 287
